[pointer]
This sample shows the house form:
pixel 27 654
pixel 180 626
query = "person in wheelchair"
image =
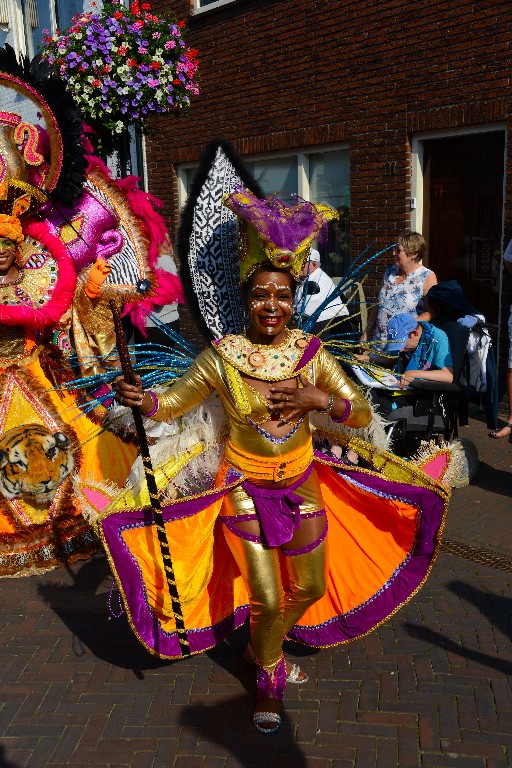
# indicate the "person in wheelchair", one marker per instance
pixel 472 349
pixel 424 365
pixel 423 350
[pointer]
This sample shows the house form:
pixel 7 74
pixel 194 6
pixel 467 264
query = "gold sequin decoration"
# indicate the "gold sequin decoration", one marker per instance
pixel 280 361
pixel 237 390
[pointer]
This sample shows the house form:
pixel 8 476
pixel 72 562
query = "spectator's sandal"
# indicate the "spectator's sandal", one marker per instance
pixel 295 674
pixel 270 687
pixel 494 432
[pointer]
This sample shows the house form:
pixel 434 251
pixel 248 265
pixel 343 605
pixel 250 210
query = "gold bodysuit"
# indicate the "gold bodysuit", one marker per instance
pixel 248 409
pixel 274 608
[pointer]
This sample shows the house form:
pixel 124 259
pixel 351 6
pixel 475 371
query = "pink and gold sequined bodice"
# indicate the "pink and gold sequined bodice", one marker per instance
pixel 243 404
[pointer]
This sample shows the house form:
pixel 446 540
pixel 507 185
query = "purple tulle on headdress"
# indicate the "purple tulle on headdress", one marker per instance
pixel 285 226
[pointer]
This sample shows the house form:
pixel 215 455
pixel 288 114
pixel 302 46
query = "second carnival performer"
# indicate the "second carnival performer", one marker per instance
pixel 278 496
pixel 42 440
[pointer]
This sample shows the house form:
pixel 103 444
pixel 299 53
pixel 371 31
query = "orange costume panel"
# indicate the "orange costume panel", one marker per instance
pixel 383 539
pixel 383 526
pixel 36 536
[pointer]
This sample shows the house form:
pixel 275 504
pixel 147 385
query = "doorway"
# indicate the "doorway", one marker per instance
pixel 463 214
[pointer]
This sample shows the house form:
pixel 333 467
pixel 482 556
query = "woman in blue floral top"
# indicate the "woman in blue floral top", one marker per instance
pixel 404 285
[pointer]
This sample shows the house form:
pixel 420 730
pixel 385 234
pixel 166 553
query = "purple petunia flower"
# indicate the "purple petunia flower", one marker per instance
pixel 99 34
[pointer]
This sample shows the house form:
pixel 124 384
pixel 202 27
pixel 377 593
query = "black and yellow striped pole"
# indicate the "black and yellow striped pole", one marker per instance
pixel 154 495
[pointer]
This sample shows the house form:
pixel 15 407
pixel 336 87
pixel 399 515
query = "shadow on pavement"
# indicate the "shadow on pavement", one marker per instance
pixel 230 656
pixel 4 762
pixel 229 724
pixel 86 614
pixel 496 608
pixel 99 625
pixel 436 638
pixel 491 479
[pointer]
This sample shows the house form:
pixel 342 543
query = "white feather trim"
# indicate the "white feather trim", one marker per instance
pixel 205 424
pixel 120 421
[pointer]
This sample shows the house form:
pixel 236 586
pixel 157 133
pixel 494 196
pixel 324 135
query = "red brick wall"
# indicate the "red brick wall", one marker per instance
pixel 293 73
pixel 285 74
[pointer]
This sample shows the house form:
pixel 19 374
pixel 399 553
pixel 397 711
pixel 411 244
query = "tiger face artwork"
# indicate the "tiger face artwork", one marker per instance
pixel 33 463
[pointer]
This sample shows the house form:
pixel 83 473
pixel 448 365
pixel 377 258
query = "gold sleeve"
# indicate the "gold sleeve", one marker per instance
pixel 194 386
pixel 331 378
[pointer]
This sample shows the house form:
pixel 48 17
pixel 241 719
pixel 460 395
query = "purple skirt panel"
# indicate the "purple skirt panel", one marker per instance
pixel 340 629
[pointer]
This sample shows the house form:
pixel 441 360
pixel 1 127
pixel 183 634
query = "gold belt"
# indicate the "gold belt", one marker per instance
pixel 274 468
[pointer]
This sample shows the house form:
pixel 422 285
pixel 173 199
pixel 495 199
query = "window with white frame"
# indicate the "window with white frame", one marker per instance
pixel 321 175
pixel 23 22
pixel 203 5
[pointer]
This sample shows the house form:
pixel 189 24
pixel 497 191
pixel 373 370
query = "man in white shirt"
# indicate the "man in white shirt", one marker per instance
pixel 318 286
pixel 506 429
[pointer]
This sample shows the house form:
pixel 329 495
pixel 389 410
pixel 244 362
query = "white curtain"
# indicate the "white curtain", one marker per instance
pixel 32 14
pixel 4 12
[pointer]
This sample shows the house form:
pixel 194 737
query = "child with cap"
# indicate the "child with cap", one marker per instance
pixel 426 350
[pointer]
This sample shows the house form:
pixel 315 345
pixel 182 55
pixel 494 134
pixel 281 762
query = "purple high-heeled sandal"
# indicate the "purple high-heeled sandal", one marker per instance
pixel 270 685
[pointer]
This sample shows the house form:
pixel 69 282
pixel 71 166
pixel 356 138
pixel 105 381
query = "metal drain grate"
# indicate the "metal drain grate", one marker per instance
pixel 484 556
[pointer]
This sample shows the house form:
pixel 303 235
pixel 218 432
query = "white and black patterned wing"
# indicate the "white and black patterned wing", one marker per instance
pixel 213 256
pixel 207 241
pixel 128 265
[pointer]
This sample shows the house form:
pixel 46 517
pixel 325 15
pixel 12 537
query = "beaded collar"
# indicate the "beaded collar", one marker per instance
pixel 269 362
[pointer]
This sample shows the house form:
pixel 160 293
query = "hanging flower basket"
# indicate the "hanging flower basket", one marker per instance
pixel 121 65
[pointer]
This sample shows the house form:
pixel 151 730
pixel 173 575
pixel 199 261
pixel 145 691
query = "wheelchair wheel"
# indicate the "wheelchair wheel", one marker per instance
pixel 469 463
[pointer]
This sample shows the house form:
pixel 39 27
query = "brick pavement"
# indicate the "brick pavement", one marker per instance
pixel 430 688
pixel 480 514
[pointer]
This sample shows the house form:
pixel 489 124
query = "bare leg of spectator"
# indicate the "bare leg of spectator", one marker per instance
pixel 506 429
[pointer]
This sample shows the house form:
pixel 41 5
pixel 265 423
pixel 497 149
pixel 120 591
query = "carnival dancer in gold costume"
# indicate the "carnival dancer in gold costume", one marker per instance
pixel 269 380
pixel 246 502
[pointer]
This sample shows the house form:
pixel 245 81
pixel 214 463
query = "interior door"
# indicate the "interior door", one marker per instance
pixel 463 178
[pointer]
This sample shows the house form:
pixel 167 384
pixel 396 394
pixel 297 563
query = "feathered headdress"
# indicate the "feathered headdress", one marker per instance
pixel 208 242
pixel 273 232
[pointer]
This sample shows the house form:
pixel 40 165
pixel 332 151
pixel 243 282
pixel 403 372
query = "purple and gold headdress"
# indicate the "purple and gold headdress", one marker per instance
pixel 227 209
pixel 273 232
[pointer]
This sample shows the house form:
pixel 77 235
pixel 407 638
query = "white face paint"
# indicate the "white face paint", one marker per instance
pixel 270 305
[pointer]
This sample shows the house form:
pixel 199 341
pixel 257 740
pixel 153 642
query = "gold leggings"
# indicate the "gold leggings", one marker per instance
pixel 274 611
